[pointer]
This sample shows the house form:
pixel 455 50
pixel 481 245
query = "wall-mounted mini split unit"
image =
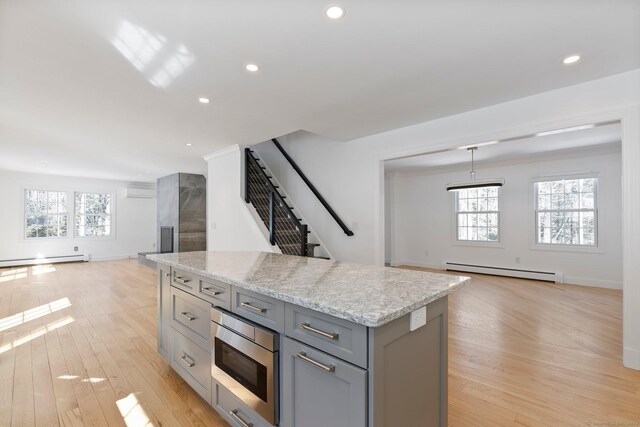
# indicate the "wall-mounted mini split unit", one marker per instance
pixel 139 193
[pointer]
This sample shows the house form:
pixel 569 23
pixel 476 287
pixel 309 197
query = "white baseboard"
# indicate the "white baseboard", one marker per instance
pixel 43 260
pixel 112 257
pixel 571 280
pixel 598 283
pixel 631 358
pixel 396 263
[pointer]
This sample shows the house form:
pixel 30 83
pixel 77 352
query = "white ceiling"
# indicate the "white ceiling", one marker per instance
pixel 597 138
pixel 75 100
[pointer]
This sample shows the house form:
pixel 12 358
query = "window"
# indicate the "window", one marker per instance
pixel 566 211
pixel 93 214
pixel 477 214
pixel 46 214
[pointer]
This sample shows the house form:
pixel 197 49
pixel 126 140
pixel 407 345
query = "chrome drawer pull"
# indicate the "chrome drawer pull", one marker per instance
pixel 189 316
pixel 253 307
pixel 181 280
pixel 329 368
pixel 185 359
pixel 235 416
pixel 210 291
pixel 308 327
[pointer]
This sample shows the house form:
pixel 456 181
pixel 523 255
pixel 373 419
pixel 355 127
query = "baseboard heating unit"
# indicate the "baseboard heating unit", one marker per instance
pixel 42 260
pixel 548 276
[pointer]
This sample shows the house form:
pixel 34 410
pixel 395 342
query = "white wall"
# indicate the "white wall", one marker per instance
pixel 135 220
pixel 350 174
pixel 424 219
pixel 230 224
pixel 339 175
pixel 389 218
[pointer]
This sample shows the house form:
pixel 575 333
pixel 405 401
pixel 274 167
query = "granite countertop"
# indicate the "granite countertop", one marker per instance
pixel 364 294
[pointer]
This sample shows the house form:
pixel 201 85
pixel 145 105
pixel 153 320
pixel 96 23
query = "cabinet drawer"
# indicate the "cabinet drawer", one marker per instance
pixel 261 309
pixel 193 364
pixel 184 280
pixel 191 316
pixel 233 409
pixel 338 337
pixel 320 390
pixel 215 292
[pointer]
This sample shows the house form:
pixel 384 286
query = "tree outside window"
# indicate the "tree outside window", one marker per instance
pixel 93 214
pixel 566 211
pixel 46 214
pixel 477 214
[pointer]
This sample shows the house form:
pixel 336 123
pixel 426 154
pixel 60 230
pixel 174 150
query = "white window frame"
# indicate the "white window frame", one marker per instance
pixel 26 214
pixel 564 247
pixel 482 243
pixel 112 234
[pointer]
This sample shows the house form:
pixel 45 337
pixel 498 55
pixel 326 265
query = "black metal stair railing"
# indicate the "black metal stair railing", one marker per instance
pixel 285 229
pixel 313 188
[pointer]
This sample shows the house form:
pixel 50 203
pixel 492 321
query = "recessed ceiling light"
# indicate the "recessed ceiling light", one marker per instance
pixel 252 67
pixel 204 100
pixel 335 12
pixel 188 144
pixel 571 59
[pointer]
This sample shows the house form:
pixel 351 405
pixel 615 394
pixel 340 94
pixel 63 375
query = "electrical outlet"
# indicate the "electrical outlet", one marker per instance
pixel 75 249
pixel 418 318
pixel 517 260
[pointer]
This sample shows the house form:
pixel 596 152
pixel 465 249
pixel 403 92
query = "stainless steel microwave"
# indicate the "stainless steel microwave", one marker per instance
pixel 245 361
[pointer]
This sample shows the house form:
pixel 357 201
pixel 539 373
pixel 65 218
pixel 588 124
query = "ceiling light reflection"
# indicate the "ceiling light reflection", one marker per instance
pixel 172 67
pixel 151 54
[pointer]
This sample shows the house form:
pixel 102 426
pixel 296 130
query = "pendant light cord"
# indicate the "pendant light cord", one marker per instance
pixel 473 170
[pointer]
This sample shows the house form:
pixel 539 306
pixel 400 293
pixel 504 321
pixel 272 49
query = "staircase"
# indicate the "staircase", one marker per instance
pixel 285 228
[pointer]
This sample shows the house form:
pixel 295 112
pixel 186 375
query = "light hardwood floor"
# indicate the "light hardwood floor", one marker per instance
pixel 77 347
pixel 524 352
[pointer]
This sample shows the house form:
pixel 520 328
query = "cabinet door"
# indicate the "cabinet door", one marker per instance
pixel 320 390
pixel 164 311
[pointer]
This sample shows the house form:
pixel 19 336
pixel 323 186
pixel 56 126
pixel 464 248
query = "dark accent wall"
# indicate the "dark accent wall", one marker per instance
pixel 182 204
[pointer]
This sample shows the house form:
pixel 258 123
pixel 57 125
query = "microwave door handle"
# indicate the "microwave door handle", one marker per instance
pixel 235 416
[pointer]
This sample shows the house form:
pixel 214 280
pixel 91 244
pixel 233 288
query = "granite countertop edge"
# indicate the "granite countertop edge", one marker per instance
pixel 361 319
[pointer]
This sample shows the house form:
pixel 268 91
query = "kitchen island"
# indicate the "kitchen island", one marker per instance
pixel 353 345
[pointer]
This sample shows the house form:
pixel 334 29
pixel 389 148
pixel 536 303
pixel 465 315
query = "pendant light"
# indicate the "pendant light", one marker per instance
pixel 473 182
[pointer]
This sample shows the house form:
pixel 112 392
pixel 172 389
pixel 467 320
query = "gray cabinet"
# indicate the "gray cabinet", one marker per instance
pixel 191 316
pixel 263 310
pixel 164 311
pixel 193 364
pixel 321 390
pixel 338 337
pixel 235 411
